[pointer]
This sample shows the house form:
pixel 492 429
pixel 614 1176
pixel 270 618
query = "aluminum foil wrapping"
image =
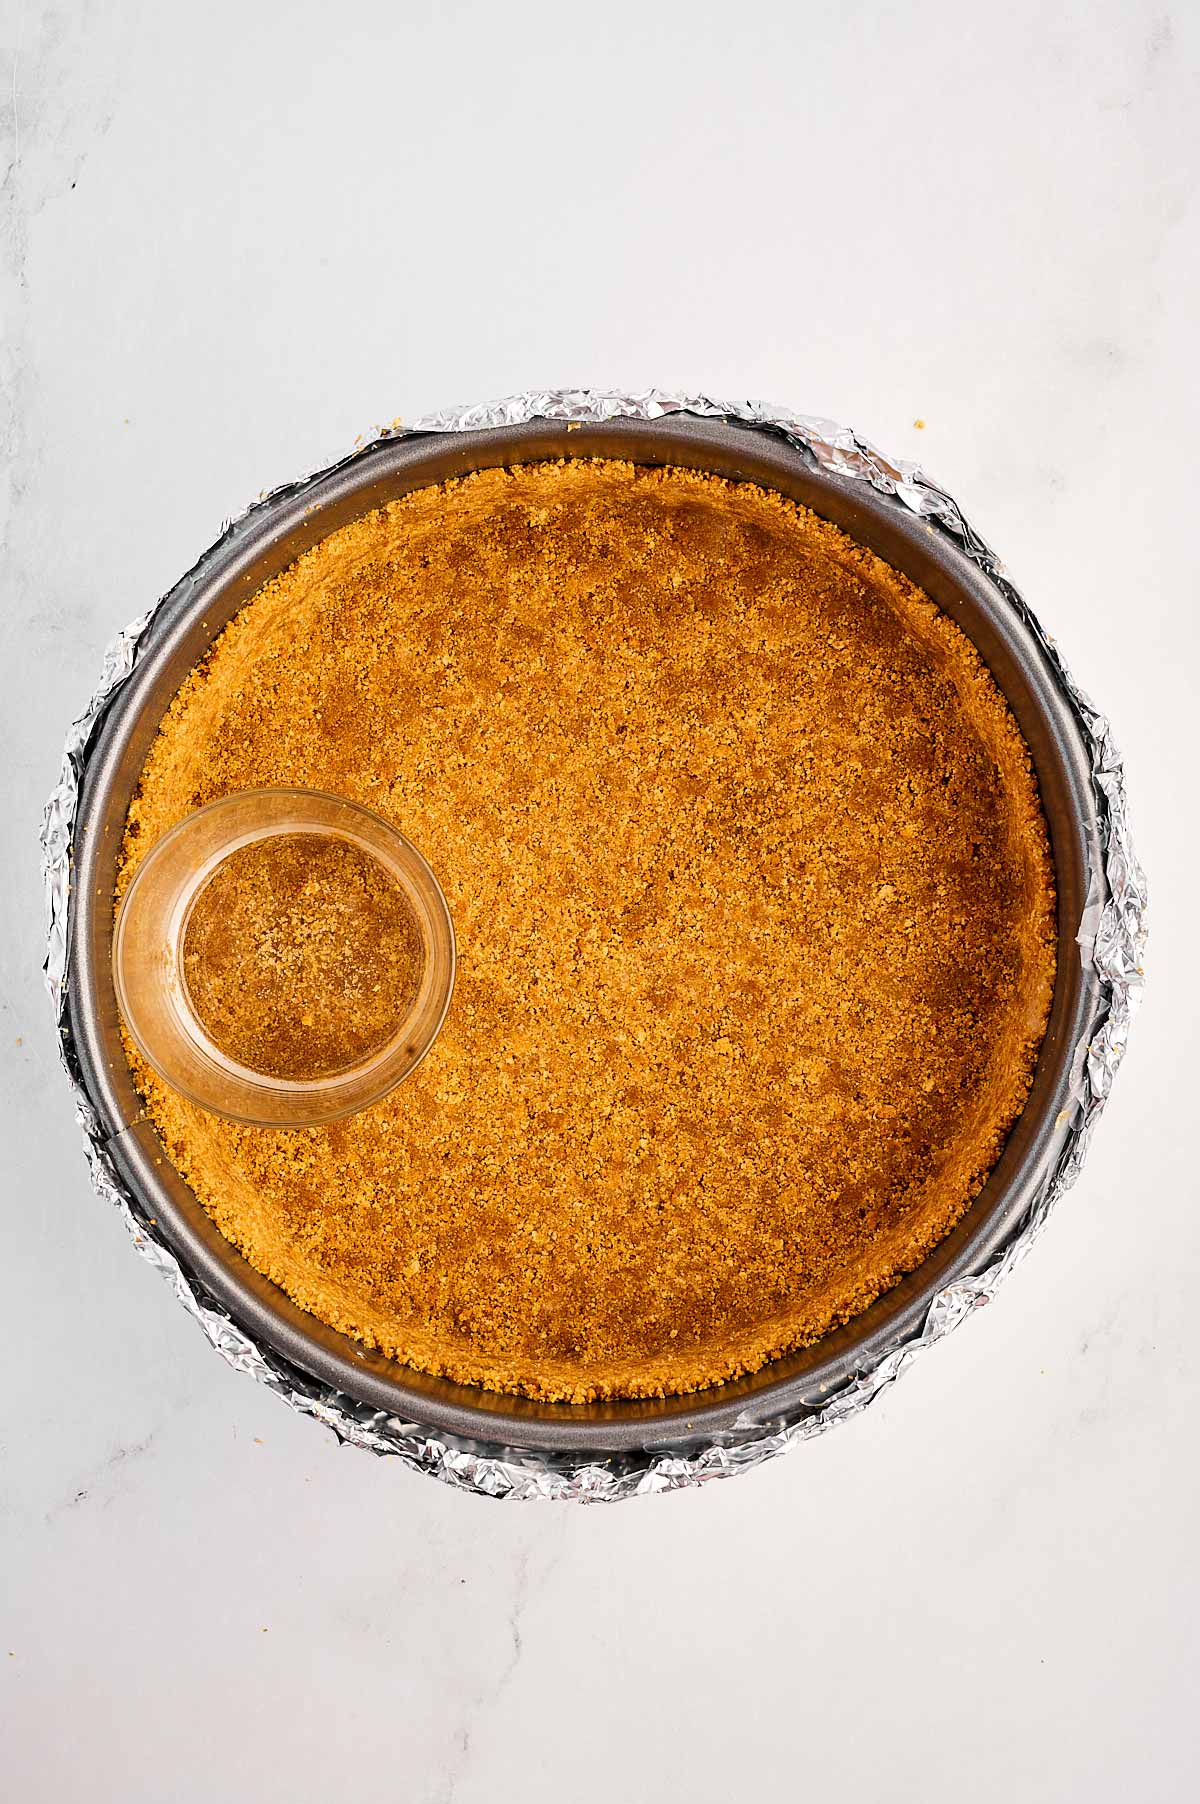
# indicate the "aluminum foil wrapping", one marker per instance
pixel 1112 939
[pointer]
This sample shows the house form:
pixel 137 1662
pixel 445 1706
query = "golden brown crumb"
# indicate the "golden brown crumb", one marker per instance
pixel 301 956
pixel 754 910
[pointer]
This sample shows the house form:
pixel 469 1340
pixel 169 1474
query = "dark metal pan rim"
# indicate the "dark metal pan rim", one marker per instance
pixel 263 543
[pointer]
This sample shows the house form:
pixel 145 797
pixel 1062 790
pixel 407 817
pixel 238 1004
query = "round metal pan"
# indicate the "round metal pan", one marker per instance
pixel 261 545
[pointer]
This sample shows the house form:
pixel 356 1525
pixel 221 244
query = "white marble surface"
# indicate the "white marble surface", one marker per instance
pixel 236 236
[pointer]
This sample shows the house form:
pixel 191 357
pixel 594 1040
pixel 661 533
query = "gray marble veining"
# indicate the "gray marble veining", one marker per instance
pixel 228 244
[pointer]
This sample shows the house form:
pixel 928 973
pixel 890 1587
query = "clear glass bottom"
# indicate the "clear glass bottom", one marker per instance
pixel 148 959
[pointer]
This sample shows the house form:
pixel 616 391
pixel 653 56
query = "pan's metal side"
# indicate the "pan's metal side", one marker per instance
pixel 264 543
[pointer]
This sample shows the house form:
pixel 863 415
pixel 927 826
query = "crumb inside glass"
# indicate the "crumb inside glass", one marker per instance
pixel 301 956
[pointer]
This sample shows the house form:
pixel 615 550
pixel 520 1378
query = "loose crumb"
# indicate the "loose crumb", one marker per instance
pixel 301 956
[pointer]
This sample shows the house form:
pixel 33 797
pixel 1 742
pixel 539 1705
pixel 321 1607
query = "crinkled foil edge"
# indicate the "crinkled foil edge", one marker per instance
pixel 1112 940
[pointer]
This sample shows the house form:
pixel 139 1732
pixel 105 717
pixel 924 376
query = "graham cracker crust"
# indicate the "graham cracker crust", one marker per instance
pixel 755 916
